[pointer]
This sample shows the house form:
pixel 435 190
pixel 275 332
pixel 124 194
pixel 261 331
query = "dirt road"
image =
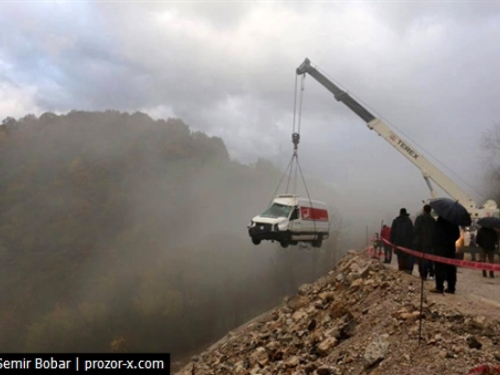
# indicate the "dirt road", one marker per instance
pixel 474 293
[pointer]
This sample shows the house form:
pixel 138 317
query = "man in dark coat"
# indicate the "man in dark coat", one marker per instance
pixel 402 235
pixel 423 233
pixel 487 239
pixel 445 236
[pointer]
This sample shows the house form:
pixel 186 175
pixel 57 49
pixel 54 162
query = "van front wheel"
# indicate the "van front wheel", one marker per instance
pixel 255 241
pixel 318 242
pixel 285 242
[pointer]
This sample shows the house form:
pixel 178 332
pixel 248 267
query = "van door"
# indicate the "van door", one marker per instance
pixel 295 224
pixel 305 214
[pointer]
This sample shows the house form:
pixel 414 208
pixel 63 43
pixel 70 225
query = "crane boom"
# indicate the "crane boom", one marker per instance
pixel 429 170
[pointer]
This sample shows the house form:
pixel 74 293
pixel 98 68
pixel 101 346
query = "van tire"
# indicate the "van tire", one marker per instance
pixel 255 241
pixel 318 242
pixel 285 242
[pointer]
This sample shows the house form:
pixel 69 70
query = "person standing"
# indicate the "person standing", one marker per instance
pixel 402 235
pixel 423 234
pixel 445 236
pixel 377 246
pixel 473 245
pixel 487 239
pixel 386 235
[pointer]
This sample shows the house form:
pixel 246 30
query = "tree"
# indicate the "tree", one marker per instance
pixel 491 144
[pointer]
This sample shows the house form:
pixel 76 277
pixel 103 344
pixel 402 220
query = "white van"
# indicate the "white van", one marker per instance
pixel 291 219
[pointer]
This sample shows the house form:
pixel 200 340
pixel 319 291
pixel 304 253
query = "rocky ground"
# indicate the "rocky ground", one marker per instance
pixel 361 318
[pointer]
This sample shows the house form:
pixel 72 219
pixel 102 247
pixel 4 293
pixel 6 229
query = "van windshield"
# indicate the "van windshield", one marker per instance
pixel 277 210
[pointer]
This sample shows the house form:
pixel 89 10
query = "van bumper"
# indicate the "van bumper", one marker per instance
pixel 257 234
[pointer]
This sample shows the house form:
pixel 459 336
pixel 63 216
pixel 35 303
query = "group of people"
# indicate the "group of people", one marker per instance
pixel 431 236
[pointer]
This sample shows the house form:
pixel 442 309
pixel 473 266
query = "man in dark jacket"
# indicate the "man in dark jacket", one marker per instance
pixel 487 239
pixel 402 235
pixel 445 236
pixel 423 233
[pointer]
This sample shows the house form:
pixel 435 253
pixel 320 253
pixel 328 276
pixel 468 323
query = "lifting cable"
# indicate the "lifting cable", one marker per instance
pixel 294 161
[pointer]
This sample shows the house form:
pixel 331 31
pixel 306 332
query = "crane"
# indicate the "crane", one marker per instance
pixel 429 170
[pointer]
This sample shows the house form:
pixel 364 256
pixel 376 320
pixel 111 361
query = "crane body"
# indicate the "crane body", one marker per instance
pixel 429 171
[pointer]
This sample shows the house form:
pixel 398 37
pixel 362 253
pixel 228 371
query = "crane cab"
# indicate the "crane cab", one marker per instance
pixel 290 219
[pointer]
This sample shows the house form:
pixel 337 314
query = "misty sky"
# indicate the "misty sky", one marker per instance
pixel 228 68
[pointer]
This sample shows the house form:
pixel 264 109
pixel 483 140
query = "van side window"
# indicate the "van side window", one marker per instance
pixel 295 214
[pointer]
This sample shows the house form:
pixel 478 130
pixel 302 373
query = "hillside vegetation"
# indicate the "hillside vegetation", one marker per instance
pixel 121 233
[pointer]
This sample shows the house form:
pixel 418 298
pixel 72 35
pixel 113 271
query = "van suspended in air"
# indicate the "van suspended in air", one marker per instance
pixel 290 219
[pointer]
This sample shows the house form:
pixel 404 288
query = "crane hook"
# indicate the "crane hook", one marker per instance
pixel 295 140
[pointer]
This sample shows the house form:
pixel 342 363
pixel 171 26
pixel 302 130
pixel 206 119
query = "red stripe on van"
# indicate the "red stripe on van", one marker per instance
pixel 308 213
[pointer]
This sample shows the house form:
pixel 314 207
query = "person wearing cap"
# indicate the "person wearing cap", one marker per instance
pixel 402 235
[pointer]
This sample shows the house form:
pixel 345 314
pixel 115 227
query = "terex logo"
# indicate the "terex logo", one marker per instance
pixel 407 149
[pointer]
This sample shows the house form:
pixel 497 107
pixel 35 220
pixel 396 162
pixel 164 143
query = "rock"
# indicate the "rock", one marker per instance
pixel 416 314
pixel 312 325
pixel 326 319
pixel 406 316
pixel 310 367
pixel 478 322
pixel 375 351
pixel 356 284
pixel 325 346
pixel 369 282
pixel 299 315
pixel 366 270
pixel 304 289
pixel 297 302
pixel 240 370
pixel 326 296
pixel 473 342
pixel 259 356
pixel 293 361
pixel 323 370
pixel 272 346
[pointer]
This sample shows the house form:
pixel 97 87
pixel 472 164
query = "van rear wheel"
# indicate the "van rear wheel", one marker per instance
pixel 318 242
pixel 255 241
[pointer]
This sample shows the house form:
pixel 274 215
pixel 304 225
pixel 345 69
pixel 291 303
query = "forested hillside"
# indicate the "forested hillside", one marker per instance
pixel 121 233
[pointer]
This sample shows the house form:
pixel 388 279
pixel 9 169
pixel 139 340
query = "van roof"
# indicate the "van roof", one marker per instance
pixel 293 200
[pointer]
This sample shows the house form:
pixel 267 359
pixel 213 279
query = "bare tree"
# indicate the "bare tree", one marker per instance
pixel 491 144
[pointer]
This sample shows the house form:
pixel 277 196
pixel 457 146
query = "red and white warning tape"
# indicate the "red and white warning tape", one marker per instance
pixel 484 370
pixel 450 261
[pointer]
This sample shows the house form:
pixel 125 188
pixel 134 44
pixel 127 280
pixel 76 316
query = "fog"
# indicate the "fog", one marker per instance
pixel 120 233
pixel 226 70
